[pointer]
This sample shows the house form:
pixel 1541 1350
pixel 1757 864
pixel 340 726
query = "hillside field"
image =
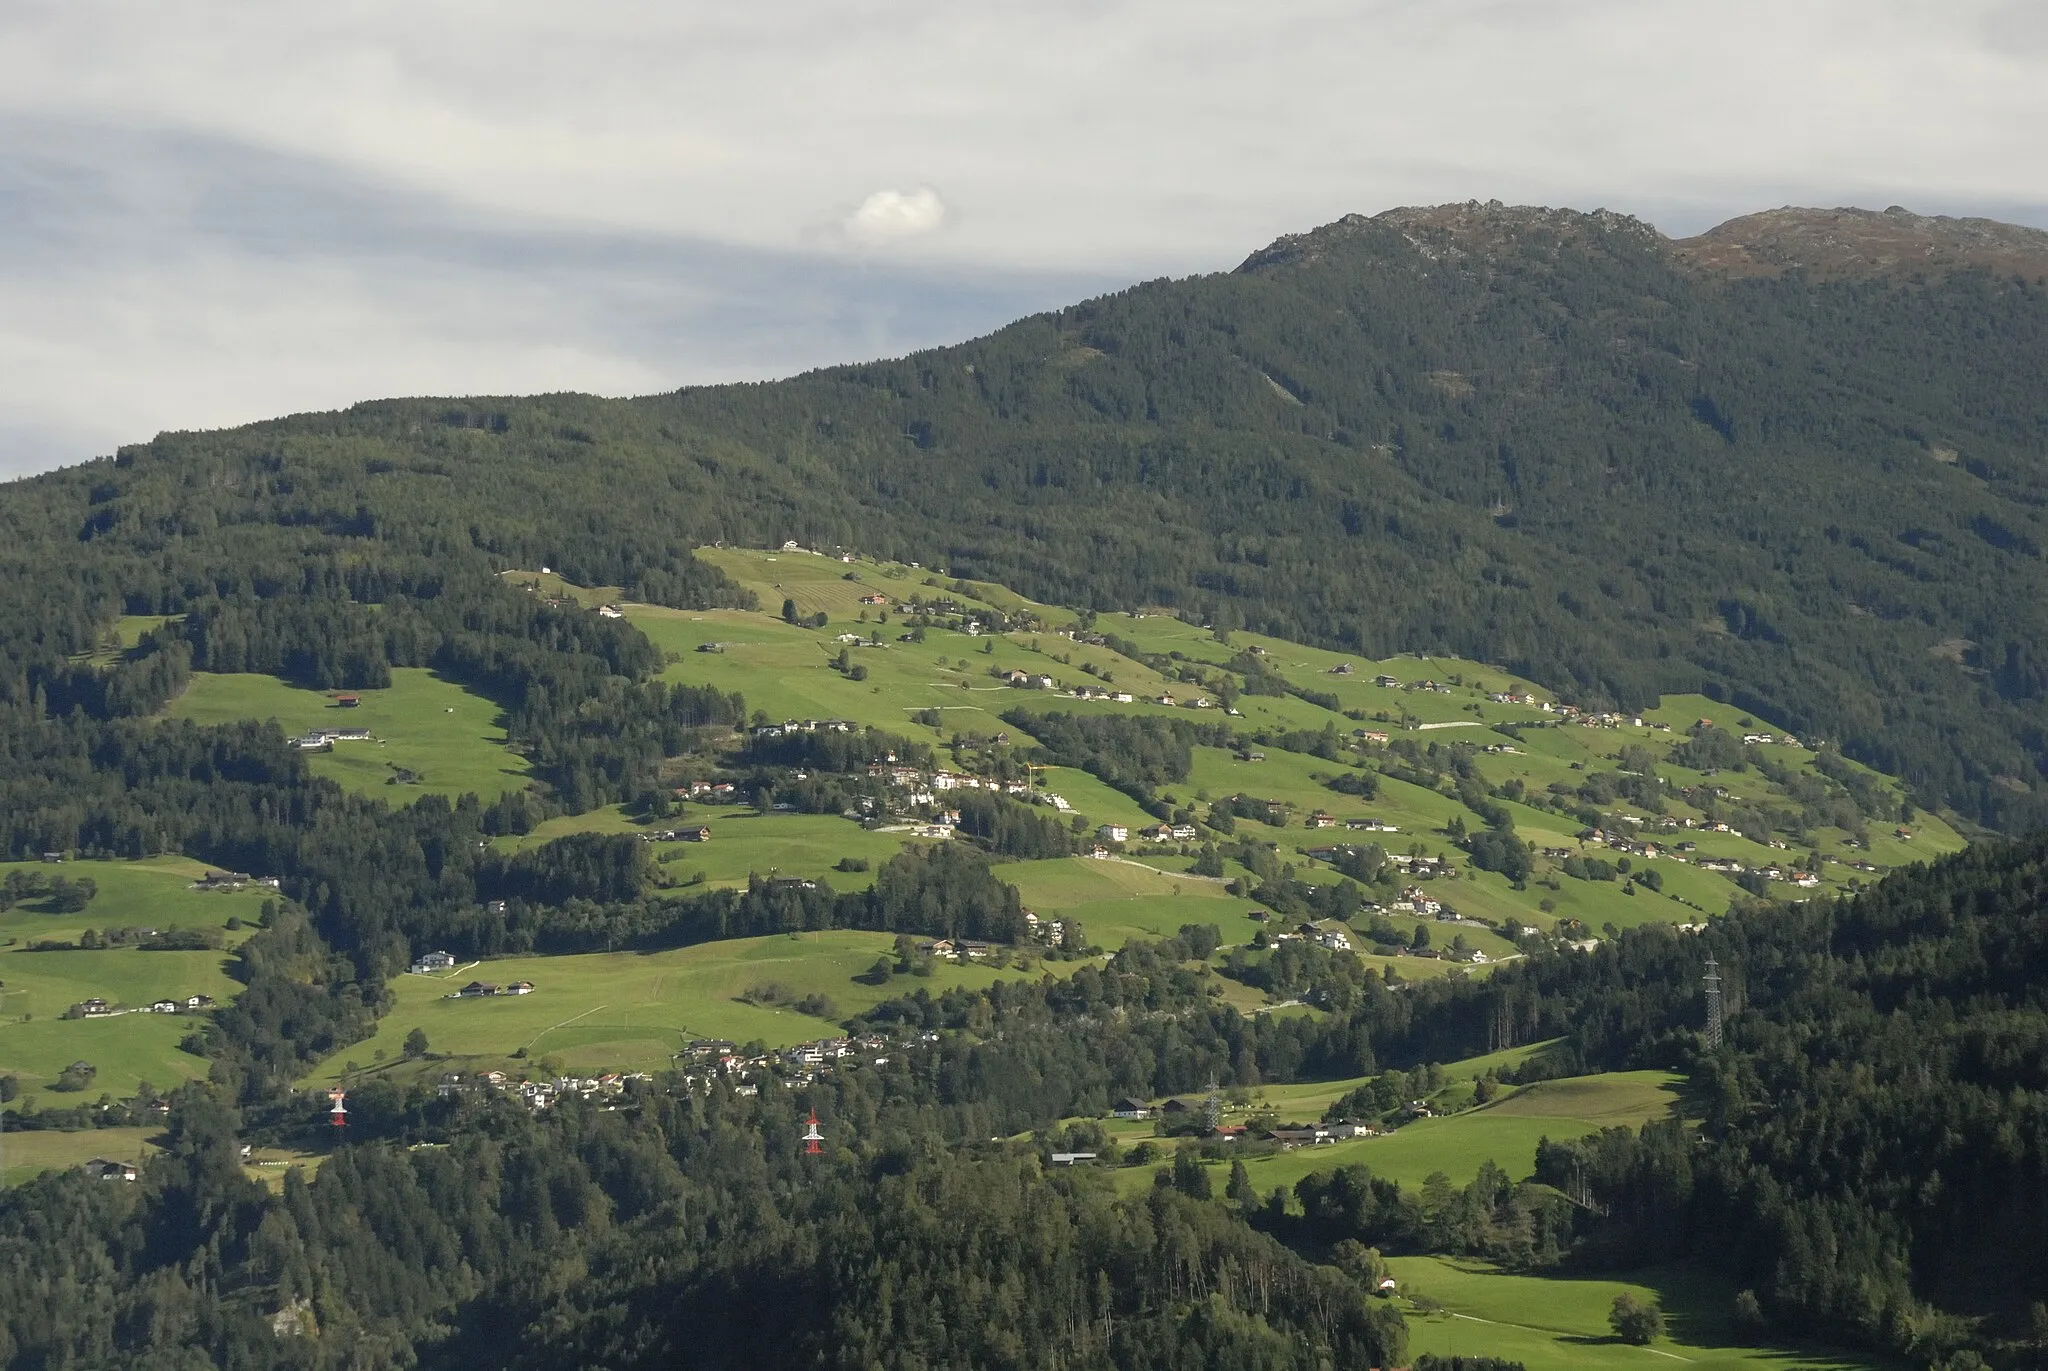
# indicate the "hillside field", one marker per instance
pixel 450 739
pixel 452 742
pixel 36 1043
pixel 629 1011
pixel 1559 1323
pixel 1505 1132
pixel 23 1155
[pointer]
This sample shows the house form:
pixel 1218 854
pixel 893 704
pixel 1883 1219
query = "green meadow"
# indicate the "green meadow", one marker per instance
pixel 1559 1323
pixel 1505 1132
pixel 633 1011
pixel 451 741
pixel 36 1043
pixel 23 1155
pixel 743 843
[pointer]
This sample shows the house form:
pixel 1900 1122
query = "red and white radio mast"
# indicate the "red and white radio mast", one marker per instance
pixel 339 1118
pixel 814 1141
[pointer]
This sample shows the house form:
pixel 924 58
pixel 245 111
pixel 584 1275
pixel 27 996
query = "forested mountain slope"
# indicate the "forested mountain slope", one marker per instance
pixel 1797 463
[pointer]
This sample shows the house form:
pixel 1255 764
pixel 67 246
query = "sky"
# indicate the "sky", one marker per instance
pixel 216 213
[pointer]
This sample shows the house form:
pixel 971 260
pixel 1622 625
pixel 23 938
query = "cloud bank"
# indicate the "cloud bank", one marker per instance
pixel 212 212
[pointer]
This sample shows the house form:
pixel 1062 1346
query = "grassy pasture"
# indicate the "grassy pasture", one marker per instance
pixel 744 843
pixel 787 673
pixel 821 583
pixel 1094 801
pixel 37 987
pixel 1559 1323
pixel 632 1011
pixel 1305 1101
pixel 453 740
pixel 1505 1133
pixel 32 1153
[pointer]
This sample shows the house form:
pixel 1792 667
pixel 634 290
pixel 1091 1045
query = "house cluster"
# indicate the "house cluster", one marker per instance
pixel 711 792
pixel 705 1060
pixel 973 949
pixel 538 1095
pixel 233 880
pixel 794 726
pixel 1312 1135
pixel 1029 681
pixel 1291 1135
pixel 97 1007
pixel 1414 901
pixel 1052 932
pixel 191 1004
pixel 1509 697
pixel 823 1052
pixel 1167 833
pixel 101 1169
pixel 1332 938
pixel 688 833
pixel 1087 692
pixel 956 780
pixel 479 990
pixel 324 739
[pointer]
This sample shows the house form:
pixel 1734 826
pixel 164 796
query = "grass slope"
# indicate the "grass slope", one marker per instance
pixel 30 1154
pixel 632 1011
pixel 36 1044
pixel 450 739
pixel 1505 1132
pixel 1559 1323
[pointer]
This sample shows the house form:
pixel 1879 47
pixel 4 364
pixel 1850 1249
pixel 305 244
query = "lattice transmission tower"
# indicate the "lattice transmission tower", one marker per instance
pixel 1713 983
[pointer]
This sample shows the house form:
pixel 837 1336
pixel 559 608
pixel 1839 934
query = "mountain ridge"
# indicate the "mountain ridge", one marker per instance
pixel 1840 243
pixel 1821 499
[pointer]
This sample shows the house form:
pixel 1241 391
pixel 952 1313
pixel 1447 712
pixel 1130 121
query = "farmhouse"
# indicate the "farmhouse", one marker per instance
pixel 100 1169
pixel 519 988
pixel 1114 833
pixel 430 962
pixel 1128 1108
pixel 477 990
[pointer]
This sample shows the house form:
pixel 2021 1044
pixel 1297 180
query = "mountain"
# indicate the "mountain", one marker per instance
pixel 1796 463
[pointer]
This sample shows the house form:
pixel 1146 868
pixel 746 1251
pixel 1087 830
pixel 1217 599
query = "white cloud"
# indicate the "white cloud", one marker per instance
pixel 617 148
pixel 888 215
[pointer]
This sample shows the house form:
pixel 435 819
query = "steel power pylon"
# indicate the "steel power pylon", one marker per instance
pixel 1712 981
